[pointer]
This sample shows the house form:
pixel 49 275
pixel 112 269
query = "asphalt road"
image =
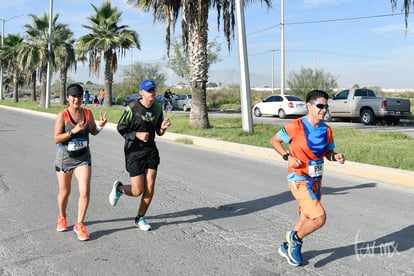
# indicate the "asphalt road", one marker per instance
pixel 213 214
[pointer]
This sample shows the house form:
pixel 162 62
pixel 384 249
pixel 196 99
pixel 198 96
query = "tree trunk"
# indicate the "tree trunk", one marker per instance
pixel 108 78
pixel 43 75
pixel 198 66
pixel 16 86
pixel 62 85
pixel 34 78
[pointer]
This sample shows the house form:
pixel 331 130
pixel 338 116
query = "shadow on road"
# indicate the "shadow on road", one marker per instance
pixel 243 208
pixel 386 246
pixel 222 211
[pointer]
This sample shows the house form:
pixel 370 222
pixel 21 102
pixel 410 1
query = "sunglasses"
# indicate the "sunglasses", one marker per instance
pixel 320 106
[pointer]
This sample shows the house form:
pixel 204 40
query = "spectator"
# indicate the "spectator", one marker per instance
pixel 87 97
pixel 101 96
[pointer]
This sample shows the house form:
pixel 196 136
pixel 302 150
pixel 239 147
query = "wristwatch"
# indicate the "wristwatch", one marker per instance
pixel 285 156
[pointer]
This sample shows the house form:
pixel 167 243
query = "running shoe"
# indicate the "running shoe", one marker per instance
pixel 142 224
pixel 294 248
pixel 283 251
pixel 80 229
pixel 62 225
pixel 114 195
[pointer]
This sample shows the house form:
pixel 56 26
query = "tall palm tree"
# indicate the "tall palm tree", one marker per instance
pixel 8 57
pixel 64 53
pixel 194 25
pixel 35 52
pixel 107 38
pixel 406 7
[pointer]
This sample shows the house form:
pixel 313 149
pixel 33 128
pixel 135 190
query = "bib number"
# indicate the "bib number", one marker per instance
pixel 77 147
pixel 315 168
pixel 76 144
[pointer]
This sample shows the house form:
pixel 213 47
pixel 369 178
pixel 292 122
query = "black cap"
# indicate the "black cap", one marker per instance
pixel 74 89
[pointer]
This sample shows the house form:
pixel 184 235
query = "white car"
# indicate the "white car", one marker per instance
pixel 282 106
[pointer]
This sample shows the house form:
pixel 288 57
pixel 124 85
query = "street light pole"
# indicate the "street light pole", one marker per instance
pixel 282 47
pixel 49 56
pixel 2 43
pixel 246 108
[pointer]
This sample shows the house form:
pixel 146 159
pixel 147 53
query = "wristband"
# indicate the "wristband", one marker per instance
pixel 98 128
pixel 70 133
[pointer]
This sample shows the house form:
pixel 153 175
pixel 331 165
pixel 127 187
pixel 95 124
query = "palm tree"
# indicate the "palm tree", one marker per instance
pixel 64 53
pixel 406 5
pixel 194 25
pixel 35 53
pixel 8 57
pixel 107 38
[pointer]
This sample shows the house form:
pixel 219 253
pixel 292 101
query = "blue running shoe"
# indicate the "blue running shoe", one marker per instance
pixel 283 251
pixel 294 248
pixel 114 195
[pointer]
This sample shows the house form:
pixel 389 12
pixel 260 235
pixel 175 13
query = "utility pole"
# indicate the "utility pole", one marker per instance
pixel 49 56
pixel 282 47
pixel 246 109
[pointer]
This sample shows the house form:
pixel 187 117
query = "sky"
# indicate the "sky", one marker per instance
pixel 360 42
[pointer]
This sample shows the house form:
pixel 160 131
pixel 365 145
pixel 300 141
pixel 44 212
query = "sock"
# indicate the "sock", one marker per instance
pixel 118 190
pixel 296 237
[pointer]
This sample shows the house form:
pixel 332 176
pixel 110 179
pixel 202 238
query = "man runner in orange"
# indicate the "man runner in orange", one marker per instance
pixel 310 140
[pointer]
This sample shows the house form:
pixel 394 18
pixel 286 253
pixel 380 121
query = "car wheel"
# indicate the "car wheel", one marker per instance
pixel 281 114
pixel 185 108
pixel 257 112
pixel 328 117
pixel 367 117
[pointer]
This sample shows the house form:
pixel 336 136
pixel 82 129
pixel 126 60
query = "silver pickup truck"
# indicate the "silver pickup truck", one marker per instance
pixel 363 104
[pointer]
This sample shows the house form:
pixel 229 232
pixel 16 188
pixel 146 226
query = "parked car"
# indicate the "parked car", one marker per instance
pixel 182 102
pixel 131 98
pixel 282 106
pixel 364 105
pixel 159 99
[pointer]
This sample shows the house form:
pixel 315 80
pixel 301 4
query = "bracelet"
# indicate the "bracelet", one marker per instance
pixel 98 127
pixel 70 133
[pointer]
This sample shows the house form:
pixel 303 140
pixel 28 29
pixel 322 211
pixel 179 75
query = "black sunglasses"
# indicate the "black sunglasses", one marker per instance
pixel 320 106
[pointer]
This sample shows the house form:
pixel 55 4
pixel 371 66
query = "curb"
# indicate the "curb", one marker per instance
pixel 378 173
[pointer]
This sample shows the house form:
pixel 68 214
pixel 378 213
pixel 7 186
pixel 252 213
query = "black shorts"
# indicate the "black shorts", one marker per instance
pixel 147 158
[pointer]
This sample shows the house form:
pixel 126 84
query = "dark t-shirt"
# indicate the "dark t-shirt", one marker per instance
pixel 138 118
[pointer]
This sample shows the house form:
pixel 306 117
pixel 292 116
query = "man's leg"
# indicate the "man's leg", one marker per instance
pixel 149 183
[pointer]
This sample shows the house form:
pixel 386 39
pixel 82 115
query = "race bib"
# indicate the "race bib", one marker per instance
pixel 315 168
pixel 76 144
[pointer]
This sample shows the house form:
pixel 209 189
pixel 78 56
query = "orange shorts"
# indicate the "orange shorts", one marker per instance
pixel 308 197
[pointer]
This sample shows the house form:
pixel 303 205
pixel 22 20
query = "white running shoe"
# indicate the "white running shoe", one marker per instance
pixel 114 195
pixel 142 224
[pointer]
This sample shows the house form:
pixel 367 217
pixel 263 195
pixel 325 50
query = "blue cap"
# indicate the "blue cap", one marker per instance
pixel 147 85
